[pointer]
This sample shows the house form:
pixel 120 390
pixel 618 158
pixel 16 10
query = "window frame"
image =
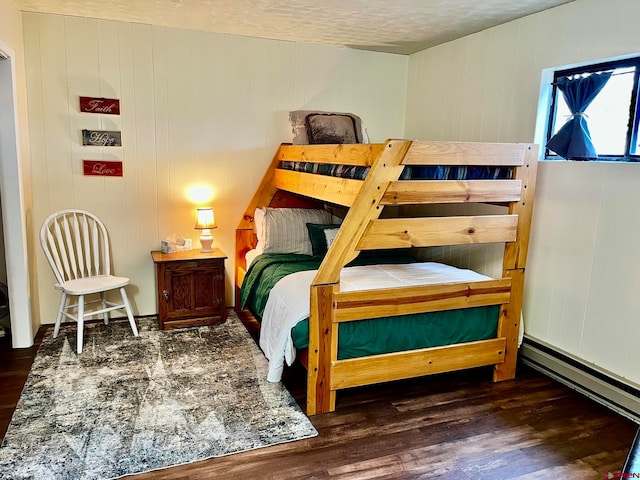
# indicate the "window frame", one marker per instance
pixel 633 124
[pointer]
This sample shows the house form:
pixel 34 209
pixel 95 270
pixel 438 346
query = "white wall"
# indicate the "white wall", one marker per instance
pixel 197 108
pixel 583 272
pixel 14 177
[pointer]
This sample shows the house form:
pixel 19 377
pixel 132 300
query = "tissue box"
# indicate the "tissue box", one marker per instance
pixel 167 246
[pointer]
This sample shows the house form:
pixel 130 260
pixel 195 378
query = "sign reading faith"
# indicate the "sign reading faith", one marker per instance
pixel 101 138
pixel 109 106
pixel 101 168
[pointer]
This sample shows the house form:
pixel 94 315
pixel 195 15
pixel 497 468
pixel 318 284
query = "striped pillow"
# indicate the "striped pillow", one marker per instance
pixel 284 230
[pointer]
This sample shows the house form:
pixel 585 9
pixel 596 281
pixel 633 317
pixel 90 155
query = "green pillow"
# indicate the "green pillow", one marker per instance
pixel 318 234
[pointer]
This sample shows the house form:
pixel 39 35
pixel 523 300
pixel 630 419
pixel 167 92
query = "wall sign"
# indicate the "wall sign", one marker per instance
pixel 101 168
pixel 101 138
pixel 109 106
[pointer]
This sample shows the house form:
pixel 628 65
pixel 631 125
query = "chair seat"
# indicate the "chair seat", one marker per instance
pixel 86 286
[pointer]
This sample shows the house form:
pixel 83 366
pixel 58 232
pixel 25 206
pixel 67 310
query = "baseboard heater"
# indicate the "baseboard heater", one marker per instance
pixel 595 384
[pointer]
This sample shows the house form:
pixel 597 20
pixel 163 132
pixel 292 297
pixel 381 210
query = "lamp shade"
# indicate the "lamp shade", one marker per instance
pixel 205 219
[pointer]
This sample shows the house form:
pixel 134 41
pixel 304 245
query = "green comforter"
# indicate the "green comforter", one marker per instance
pixel 370 337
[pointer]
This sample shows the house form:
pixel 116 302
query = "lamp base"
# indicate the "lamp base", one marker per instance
pixel 206 240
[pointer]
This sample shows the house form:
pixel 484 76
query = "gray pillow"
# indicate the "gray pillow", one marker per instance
pixel 331 128
pixel 298 119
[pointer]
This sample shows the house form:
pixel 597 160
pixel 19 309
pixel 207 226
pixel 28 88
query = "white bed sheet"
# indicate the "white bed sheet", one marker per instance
pixel 288 301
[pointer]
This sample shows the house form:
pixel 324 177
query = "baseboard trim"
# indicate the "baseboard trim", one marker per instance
pixel 608 391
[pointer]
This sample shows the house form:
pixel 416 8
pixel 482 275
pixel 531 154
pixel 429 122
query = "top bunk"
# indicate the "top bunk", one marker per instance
pixel 403 173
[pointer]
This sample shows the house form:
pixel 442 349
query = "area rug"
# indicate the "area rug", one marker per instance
pixel 132 404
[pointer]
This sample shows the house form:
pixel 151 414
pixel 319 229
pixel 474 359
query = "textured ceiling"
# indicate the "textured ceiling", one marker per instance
pixel 394 26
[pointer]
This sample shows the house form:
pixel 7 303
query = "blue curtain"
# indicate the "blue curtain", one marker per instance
pixel 573 140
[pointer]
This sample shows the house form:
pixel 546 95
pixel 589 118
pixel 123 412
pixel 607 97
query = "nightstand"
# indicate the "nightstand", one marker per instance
pixel 190 288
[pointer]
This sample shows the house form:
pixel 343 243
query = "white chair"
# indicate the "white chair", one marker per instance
pixel 76 245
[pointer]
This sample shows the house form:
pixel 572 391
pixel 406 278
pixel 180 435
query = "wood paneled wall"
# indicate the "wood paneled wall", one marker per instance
pixel 583 272
pixel 197 108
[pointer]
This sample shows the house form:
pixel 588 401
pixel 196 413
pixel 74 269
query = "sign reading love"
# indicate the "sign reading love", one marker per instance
pixel 102 168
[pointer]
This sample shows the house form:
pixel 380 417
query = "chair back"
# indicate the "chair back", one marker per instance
pixel 76 245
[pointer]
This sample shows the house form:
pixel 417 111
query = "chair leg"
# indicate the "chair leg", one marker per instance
pixel 127 307
pixel 80 322
pixel 63 301
pixel 105 315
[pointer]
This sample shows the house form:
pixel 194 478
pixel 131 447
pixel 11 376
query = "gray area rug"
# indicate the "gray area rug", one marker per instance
pixel 127 405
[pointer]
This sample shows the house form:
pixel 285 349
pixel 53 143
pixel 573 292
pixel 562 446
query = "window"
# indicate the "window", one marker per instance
pixel 612 117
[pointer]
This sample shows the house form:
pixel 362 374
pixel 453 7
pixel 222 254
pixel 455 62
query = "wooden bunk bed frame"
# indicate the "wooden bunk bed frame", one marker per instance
pixel 363 229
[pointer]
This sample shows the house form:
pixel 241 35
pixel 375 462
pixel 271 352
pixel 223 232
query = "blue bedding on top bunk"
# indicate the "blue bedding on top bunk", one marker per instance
pixel 435 172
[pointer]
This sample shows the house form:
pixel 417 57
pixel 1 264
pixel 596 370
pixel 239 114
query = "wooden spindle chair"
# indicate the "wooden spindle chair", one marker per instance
pixel 76 245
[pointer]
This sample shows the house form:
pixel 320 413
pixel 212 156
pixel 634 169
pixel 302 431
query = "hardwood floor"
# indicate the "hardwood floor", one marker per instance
pixel 454 426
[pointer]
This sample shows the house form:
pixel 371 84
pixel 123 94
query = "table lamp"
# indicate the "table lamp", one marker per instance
pixel 205 221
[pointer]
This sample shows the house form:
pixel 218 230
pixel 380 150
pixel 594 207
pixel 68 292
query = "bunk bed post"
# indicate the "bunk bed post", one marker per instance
pixel 514 263
pixel 323 347
pixel 509 326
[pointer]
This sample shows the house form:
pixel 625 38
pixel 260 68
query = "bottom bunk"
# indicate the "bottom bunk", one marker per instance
pixel 277 288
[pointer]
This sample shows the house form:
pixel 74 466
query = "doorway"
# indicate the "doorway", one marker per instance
pixel 12 207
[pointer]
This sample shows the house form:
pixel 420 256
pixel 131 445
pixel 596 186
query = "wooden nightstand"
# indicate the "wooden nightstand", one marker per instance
pixel 190 288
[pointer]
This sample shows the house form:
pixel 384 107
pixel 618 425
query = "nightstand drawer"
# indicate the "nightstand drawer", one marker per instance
pixel 194 265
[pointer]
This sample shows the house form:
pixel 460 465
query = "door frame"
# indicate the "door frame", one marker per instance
pixel 13 210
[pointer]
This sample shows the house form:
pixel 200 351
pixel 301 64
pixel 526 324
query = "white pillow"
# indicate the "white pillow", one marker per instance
pixel 330 235
pixel 251 255
pixel 284 230
pixel 258 222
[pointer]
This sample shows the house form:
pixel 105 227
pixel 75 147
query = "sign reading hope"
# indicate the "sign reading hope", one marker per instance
pixel 101 138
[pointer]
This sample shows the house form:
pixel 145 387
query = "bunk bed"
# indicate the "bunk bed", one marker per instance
pixel 377 181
